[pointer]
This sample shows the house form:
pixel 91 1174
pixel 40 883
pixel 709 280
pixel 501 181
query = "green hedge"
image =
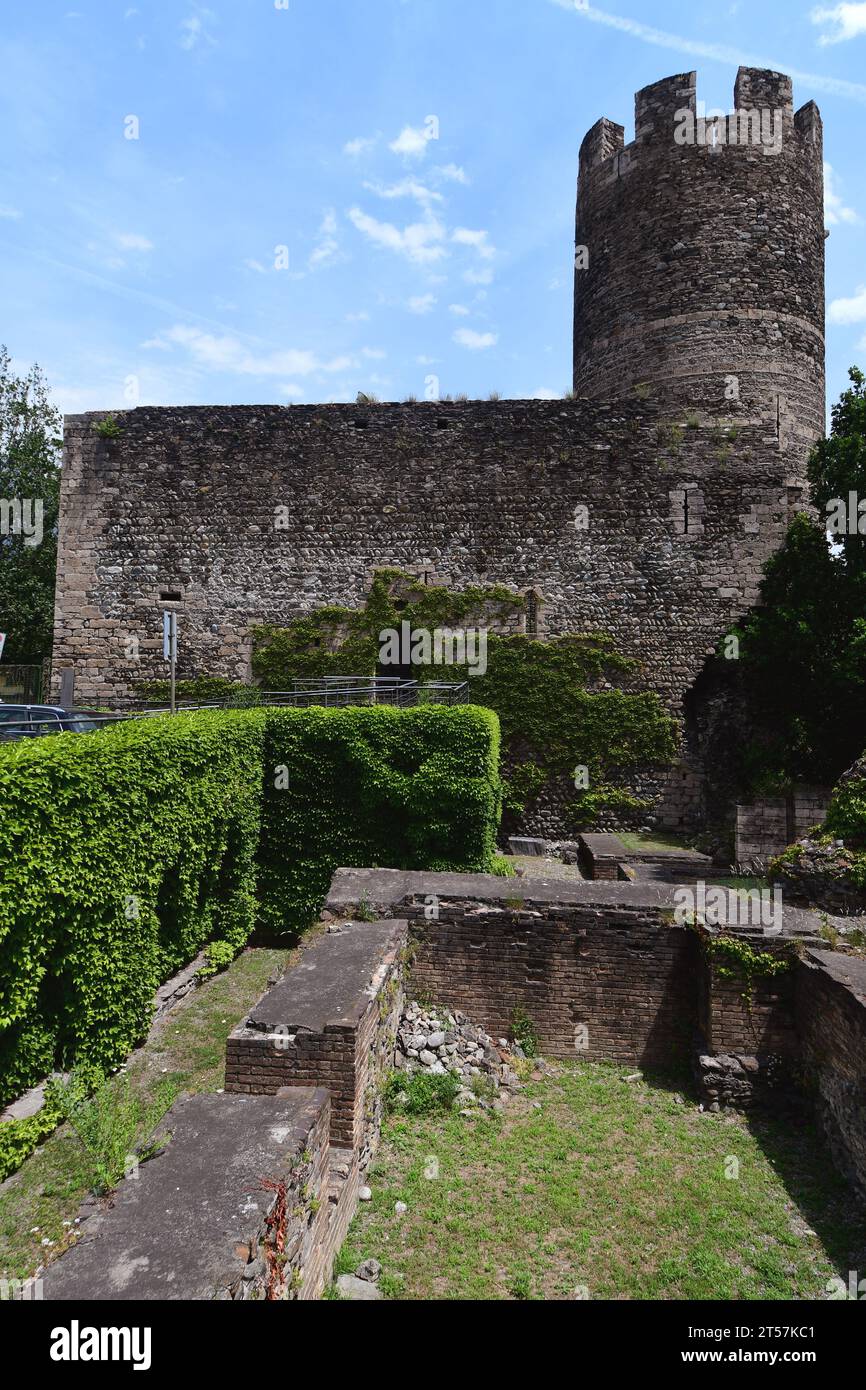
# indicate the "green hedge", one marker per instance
pixel 123 853
pixel 402 789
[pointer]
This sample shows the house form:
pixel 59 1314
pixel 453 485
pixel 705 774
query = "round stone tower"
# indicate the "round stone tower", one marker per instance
pixel 699 266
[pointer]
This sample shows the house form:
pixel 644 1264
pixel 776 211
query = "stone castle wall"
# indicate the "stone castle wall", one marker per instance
pixel 187 501
pixel 706 264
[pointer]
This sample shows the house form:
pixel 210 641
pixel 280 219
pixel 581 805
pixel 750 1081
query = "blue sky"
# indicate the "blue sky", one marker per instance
pixel 328 196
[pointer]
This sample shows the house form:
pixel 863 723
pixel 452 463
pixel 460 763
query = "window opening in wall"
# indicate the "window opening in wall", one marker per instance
pixel 532 613
pixel 688 509
pixel 170 596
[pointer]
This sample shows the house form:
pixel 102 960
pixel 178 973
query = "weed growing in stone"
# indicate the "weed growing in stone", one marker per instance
pixel 111 1122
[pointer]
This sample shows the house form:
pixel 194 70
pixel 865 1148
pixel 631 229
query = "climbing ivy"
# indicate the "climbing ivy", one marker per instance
pixel 560 702
pixel 734 959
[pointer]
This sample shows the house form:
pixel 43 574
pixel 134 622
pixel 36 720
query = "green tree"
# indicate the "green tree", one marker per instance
pixel 29 475
pixel 837 467
pixel 804 649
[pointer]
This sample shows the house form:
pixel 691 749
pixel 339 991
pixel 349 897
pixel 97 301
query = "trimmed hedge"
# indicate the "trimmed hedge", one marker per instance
pixel 403 789
pixel 123 853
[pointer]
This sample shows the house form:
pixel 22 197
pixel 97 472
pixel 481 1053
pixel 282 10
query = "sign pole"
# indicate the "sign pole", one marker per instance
pixel 169 649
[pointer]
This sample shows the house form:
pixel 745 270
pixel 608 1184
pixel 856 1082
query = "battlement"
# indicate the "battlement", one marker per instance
pixel 656 106
pixel 661 108
pixel 601 142
pixel 756 88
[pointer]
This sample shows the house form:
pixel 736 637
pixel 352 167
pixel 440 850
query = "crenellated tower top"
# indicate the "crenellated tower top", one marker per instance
pixel 699 272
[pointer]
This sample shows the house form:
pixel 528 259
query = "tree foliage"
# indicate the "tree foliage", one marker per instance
pixel 29 456
pixel 804 648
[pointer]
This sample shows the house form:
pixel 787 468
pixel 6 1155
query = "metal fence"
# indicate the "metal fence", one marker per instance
pixel 333 691
pixel 330 691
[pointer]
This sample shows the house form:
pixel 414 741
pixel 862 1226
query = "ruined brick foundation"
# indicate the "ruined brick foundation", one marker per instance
pixel 253 1194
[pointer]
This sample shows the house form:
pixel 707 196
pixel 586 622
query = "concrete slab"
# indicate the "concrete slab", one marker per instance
pixel 604 846
pixel 179 1228
pixel 331 980
pixel 848 970
pixel 384 890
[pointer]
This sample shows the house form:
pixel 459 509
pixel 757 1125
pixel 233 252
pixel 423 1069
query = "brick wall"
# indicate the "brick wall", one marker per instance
pixel 347 1053
pixel 613 986
pixel 831 1024
pixel 750 1017
pixel 765 828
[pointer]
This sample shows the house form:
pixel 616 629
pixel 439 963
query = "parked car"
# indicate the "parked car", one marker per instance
pixel 33 721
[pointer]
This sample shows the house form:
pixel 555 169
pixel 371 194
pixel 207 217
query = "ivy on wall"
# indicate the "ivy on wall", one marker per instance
pixel 558 701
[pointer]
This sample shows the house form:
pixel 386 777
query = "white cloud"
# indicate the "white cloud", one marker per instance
pixel 849 21
pixel 835 210
pixel 477 342
pixel 479 277
pixel 544 393
pixel 133 241
pixel 257 266
pixel 411 141
pixel 714 52
pixel 12 213
pixel 374 354
pixel 194 30
pixel 361 317
pixel 228 354
pixel 453 172
pixel 360 144
pixel 422 303
pixel 293 391
pixel 459 309
pixel 327 248
pixel 409 188
pixel 849 310
pixel 417 242
pixel 464 237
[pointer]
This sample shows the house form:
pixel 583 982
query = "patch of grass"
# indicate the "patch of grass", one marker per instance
pixel 743 883
pixel 186 1052
pixel 421 1094
pixel 111 1122
pixel 618 1188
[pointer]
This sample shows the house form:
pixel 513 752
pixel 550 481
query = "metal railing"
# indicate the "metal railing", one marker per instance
pixel 343 690
pixel 330 691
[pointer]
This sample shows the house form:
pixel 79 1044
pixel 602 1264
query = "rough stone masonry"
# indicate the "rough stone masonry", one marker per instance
pixel 699 386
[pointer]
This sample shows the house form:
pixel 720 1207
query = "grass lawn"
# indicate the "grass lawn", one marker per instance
pixel 615 1187
pixel 185 1053
pixel 636 840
